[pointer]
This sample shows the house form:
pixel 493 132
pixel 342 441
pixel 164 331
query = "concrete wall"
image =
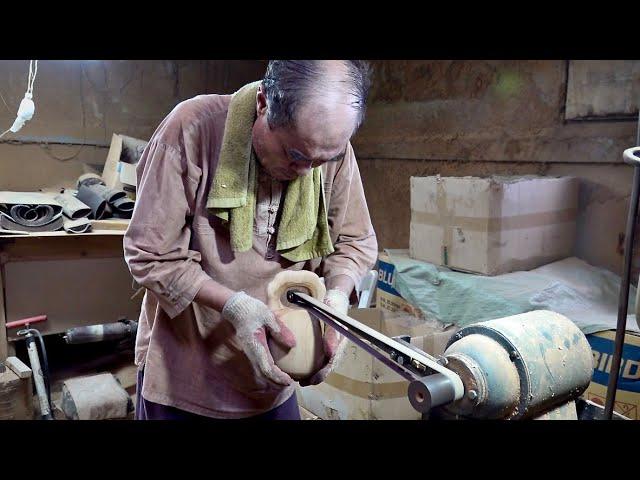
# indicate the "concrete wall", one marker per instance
pixel 85 102
pixel 490 117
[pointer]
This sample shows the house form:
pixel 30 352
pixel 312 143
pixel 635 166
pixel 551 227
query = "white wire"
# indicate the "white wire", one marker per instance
pixel 46 148
pixel 30 73
pixel 5 103
pixel 4 133
pixel 33 71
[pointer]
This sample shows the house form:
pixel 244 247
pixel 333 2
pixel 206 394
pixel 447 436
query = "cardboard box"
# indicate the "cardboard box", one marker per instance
pixel 387 297
pixel 120 166
pixel 127 173
pixel 363 388
pixel 492 225
pixel 628 394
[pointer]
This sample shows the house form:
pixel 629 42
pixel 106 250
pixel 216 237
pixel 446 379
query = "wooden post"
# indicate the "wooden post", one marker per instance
pixel 4 346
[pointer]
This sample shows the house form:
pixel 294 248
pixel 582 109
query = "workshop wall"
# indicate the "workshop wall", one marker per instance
pixel 490 117
pixel 85 102
pixel 425 117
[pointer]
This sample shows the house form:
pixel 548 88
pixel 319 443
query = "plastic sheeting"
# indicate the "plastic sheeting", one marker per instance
pixel 585 294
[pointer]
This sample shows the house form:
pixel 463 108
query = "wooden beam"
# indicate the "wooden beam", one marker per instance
pixel 4 347
pixel 18 367
pixel 20 249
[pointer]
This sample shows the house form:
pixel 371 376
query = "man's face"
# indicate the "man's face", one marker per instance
pixel 321 133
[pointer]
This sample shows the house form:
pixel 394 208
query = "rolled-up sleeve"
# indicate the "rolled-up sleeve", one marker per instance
pixel 156 243
pixel 355 243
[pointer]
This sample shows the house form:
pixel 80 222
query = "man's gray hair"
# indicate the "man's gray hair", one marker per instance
pixel 288 83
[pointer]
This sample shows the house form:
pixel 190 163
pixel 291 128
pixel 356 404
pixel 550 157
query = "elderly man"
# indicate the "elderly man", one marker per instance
pixel 233 189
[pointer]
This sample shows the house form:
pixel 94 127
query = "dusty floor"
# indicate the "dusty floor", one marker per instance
pixel 69 361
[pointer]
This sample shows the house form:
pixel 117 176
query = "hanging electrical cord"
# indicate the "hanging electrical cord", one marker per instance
pixel 27 107
pixel 46 148
pixel 33 70
pixel 5 103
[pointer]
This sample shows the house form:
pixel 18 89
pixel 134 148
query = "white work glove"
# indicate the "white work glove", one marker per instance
pixel 252 319
pixel 334 343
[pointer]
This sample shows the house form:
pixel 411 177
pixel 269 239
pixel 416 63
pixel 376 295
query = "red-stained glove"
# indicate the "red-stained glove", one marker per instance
pixel 334 343
pixel 251 319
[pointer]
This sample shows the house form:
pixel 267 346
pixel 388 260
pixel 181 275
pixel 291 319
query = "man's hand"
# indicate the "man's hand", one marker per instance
pixel 252 319
pixel 334 343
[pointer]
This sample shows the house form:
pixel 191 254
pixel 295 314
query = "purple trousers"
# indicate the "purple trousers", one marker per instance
pixel 146 410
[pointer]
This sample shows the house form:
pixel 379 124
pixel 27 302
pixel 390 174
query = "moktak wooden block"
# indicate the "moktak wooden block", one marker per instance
pixel 307 356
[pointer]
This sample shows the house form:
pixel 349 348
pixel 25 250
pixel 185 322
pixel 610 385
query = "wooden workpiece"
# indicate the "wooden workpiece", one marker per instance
pixel 307 356
pixel 18 367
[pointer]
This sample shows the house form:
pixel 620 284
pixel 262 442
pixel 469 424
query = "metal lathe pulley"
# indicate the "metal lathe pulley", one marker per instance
pixel 518 366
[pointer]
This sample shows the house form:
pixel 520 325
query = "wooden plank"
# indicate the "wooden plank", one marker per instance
pixel 18 367
pixel 114 226
pixel 111 230
pixel 4 348
pixel 16 397
pixel 117 224
pixel 69 247
pixel 71 292
pixel 110 170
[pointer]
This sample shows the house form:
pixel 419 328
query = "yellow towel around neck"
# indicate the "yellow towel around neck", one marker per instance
pixel 303 232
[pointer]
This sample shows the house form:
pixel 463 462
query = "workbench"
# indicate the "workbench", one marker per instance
pixel 74 279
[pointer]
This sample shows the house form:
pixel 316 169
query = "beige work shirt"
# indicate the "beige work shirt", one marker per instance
pixel 191 357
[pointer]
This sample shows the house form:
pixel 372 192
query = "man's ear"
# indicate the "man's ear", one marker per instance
pixel 261 102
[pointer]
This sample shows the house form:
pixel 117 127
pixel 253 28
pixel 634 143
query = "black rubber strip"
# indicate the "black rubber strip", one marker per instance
pixel 72 207
pixel 124 204
pixel 9 224
pixel 90 197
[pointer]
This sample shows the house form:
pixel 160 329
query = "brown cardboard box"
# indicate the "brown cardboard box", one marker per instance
pixel 120 166
pixel 362 387
pixel 492 225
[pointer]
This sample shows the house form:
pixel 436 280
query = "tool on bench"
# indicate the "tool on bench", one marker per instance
pixel 40 377
pixel 122 330
pixel 524 366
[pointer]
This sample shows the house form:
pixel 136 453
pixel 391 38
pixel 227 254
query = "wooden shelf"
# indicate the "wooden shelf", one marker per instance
pixel 99 227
